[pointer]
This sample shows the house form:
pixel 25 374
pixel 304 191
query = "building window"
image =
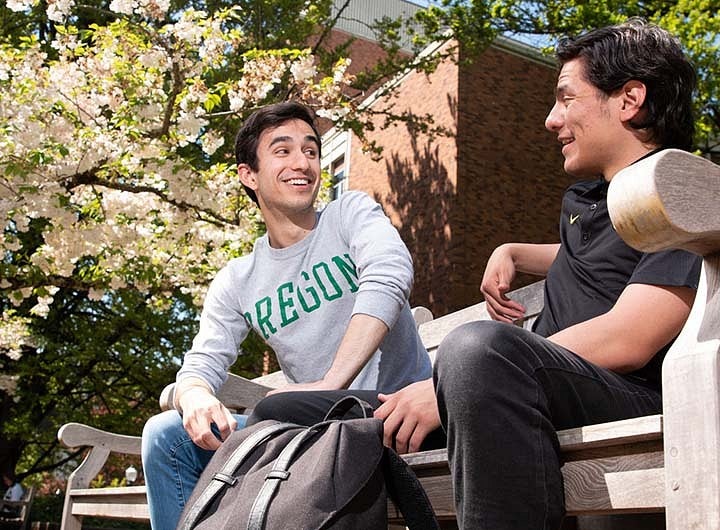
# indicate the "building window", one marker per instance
pixel 336 161
pixel 339 180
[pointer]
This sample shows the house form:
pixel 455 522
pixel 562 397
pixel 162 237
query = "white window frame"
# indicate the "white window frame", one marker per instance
pixel 336 145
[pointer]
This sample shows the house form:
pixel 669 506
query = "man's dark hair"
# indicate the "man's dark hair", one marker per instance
pixel 643 52
pixel 269 117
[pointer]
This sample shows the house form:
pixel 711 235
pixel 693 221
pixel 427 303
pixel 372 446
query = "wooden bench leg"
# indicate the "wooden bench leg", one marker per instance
pixel 81 478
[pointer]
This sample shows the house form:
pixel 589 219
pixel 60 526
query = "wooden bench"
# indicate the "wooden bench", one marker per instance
pixel 667 463
pixel 19 515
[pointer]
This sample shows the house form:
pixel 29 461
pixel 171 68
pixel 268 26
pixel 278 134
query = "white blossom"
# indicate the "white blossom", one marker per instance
pixel 59 10
pixel 94 137
pixel 340 68
pixel 333 114
pixel 237 100
pixel 211 142
pixel 303 69
pixel 14 334
pixel 124 7
pixel 8 383
pixel 19 5
pixel 96 294
pixel 156 9
pixel 42 308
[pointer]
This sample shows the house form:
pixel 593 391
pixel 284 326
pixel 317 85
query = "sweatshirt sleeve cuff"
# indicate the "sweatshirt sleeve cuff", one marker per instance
pixel 379 305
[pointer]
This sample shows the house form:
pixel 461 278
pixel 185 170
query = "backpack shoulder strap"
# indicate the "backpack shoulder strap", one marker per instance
pixel 224 477
pixel 278 473
pixel 408 494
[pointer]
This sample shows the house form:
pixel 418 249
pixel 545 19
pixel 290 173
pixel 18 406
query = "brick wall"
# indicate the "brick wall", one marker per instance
pixel 511 178
pixel 415 180
pixel 454 199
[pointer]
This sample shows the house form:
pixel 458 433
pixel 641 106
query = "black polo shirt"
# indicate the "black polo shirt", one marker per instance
pixel 594 265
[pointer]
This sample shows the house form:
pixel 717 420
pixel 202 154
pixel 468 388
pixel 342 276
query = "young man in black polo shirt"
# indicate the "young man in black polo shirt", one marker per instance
pixel 610 311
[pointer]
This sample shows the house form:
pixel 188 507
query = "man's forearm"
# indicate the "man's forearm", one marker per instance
pixel 532 258
pixel 361 340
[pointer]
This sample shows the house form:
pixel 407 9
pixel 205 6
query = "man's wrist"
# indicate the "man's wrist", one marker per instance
pixel 334 381
pixel 185 386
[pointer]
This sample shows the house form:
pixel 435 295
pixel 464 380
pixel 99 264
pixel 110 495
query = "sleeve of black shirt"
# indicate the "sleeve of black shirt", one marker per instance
pixel 675 268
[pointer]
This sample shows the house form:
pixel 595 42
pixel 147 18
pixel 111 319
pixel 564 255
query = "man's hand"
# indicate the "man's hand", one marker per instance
pixel 409 415
pixel 300 387
pixel 200 409
pixel 504 263
pixel 498 277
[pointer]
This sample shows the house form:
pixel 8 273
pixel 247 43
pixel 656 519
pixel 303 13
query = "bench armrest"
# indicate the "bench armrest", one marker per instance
pixel 672 200
pixel 79 435
pixel 101 444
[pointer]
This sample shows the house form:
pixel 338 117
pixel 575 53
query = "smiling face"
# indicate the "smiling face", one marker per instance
pixel 287 179
pixel 588 124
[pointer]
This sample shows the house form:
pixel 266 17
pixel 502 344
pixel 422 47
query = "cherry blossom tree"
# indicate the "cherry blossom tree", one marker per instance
pixel 118 194
pixel 117 176
pixel 109 150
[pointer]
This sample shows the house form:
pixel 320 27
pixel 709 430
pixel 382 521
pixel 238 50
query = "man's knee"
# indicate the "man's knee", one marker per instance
pixel 477 356
pixel 162 430
pixel 469 345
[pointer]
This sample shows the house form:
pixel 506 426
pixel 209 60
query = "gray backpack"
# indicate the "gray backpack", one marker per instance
pixel 334 474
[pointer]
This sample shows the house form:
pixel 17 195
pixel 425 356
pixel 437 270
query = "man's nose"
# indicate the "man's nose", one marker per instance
pixel 553 122
pixel 300 161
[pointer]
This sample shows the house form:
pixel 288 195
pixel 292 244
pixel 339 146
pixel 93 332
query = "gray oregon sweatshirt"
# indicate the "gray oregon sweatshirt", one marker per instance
pixel 301 299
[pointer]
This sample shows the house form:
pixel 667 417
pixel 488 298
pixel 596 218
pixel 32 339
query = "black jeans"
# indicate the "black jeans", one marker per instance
pixel 502 393
pixel 307 408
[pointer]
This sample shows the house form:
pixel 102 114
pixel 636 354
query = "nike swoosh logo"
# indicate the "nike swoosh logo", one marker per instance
pixel 574 218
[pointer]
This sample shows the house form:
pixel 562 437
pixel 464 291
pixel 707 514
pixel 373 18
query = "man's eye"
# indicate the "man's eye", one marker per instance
pixel 311 152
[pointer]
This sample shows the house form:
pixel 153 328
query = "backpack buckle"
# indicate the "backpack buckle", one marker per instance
pixel 277 474
pixel 227 479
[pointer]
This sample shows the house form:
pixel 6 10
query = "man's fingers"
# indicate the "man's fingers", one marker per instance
pixel 226 424
pixel 201 434
pixel 232 422
pixel 199 422
pixel 391 423
pixel 504 309
pixel 404 434
pixel 496 310
pixel 388 405
pixel 208 440
pixel 418 437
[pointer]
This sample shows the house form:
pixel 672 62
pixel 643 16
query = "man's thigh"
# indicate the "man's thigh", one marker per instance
pixel 307 408
pixel 485 364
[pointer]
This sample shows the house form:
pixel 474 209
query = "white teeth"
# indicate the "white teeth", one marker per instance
pixel 299 181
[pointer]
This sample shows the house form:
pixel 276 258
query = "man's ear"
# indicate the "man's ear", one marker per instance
pixel 247 176
pixel 633 95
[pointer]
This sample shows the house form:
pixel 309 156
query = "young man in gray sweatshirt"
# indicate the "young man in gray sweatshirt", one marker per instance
pixel 328 291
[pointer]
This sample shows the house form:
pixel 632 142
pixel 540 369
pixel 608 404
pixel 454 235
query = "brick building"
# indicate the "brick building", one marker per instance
pixel 498 177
